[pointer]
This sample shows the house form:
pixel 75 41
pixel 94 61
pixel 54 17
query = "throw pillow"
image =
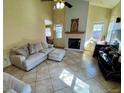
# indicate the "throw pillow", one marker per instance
pixel 38 47
pixel 31 48
pixel 22 51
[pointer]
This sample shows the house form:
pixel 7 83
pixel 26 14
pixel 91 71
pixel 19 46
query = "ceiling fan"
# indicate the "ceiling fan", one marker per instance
pixel 60 4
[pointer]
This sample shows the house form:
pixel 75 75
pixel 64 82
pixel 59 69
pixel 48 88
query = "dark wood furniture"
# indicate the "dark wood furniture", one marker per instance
pixel 49 40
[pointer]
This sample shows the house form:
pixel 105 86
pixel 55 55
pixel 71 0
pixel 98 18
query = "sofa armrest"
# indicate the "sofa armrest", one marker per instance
pixel 10 82
pixel 50 45
pixel 17 60
pixel 10 91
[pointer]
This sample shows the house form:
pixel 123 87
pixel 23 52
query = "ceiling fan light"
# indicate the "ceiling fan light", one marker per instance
pixel 58 5
pixel 62 5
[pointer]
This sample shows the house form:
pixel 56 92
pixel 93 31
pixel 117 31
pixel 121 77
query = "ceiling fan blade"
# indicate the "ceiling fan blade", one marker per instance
pixel 68 4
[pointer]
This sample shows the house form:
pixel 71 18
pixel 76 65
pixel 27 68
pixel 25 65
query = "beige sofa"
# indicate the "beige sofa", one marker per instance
pixel 13 85
pixel 30 55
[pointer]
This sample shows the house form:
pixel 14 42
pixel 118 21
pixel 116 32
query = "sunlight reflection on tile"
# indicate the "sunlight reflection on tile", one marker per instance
pixel 81 87
pixel 91 70
pixel 78 85
pixel 67 77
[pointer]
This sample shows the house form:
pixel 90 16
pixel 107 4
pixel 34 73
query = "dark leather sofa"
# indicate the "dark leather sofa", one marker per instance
pixel 109 64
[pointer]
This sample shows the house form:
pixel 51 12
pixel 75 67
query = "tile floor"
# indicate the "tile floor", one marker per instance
pixel 77 73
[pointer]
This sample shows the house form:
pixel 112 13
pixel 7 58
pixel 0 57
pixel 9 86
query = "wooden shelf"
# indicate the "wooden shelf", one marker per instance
pixel 74 32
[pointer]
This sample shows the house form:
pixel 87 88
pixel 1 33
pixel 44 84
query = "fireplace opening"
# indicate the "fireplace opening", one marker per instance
pixel 74 43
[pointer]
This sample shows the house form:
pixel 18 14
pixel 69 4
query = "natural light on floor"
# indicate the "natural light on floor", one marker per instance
pixel 78 85
pixel 67 77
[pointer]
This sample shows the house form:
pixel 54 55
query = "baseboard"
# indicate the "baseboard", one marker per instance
pixel 76 50
pixel 59 47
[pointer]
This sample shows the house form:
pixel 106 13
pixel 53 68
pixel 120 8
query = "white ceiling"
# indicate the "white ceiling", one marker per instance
pixel 105 3
pixel 102 3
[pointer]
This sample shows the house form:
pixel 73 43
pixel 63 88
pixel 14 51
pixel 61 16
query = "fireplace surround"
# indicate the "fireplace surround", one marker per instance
pixel 74 37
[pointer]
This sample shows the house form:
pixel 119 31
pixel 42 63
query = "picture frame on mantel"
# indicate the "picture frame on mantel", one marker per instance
pixel 74 25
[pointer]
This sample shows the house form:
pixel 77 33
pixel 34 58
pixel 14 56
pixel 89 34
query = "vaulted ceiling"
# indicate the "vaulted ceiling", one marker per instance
pixel 102 3
pixel 105 3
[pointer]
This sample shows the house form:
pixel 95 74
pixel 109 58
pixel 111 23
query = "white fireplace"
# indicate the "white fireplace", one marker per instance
pixel 75 36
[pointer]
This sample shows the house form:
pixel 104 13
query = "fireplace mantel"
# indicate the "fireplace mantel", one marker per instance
pixel 74 32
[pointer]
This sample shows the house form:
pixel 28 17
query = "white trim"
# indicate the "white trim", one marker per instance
pixel 81 36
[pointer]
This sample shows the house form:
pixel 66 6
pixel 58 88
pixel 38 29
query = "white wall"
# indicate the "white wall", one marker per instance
pixel 79 10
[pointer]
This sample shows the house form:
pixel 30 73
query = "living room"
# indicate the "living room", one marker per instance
pixel 52 49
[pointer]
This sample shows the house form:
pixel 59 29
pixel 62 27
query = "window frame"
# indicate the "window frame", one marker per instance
pixel 96 23
pixel 56 32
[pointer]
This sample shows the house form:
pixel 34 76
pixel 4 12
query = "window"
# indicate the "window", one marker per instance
pixel 114 32
pixel 58 30
pixel 97 30
pixel 48 32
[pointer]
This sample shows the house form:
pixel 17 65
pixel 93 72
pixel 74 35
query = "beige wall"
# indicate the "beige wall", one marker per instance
pixel 116 11
pixel 23 22
pixel 95 14
pixel 58 18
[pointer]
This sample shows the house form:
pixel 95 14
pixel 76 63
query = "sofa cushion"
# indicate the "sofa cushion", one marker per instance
pixel 10 91
pixel 22 51
pixel 34 58
pixel 45 45
pixel 50 46
pixel 48 50
pixel 10 82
